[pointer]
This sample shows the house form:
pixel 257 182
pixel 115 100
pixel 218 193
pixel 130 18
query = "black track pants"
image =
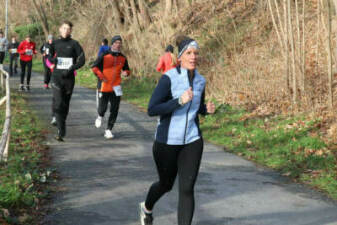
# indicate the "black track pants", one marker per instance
pixel 2 57
pixel 104 99
pixel 29 65
pixel 173 160
pixel 13 61
pixel 62 92
pixel 47 72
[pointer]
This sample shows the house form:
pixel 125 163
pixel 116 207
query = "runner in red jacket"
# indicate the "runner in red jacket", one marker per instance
pixel 26 50
pixel 167 61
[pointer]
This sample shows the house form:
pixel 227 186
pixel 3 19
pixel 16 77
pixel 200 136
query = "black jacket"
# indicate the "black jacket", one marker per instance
pixel 45 49
pixel 12 45
pixel 66 48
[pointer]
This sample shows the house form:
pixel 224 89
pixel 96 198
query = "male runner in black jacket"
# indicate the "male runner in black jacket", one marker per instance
pixel 13 55
pixel 68 56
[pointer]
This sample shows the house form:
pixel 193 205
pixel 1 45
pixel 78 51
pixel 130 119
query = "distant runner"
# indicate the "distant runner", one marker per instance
pixel 108 68
pixel 13 56
pixel 26 50
pixel 3 49
pixel 45 51
pixel 167 61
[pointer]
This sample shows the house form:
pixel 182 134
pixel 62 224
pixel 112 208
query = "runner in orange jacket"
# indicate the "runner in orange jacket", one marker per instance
pixel 108 68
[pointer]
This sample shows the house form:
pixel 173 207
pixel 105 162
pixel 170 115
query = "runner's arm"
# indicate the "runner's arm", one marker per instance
pixel 80 59
pixel 202 108
pixel 161 101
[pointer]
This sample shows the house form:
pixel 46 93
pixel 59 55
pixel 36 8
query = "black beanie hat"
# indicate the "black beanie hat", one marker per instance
pixel 169 48
pixel 116 38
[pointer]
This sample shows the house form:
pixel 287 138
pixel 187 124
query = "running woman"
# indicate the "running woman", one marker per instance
pixel 167 61
pixel 3 48
pixel 13 56
pixel 178 99
pixel 26 50
pixel 45 50
pixel 66 55
pixel 108 68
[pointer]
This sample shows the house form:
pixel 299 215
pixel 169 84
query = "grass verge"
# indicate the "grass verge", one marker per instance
pixel 24 178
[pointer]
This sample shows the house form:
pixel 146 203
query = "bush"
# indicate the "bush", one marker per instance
pixel 34 29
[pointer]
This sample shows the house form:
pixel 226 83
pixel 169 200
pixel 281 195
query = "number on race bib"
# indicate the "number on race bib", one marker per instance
pixel 118 90
pixel 64 63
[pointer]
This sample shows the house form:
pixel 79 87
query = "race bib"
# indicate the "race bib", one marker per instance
pixel 29 52
pixel 64 63
pixel 14 50
pixel 47 51
pixel 118 90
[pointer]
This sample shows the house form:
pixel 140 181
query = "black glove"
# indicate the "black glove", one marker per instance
pixel 68 73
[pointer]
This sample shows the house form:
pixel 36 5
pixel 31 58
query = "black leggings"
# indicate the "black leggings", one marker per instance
pixel 104 99
pixel 47 72
pixel 171 160
pixel 29 65
pixel 2 57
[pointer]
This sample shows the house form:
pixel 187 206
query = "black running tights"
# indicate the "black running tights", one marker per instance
pixel 173 160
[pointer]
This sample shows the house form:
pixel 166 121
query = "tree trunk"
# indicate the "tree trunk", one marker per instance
pixel 303 47
pixel 168 8
pixel 329 57
pixel 146 19
pixel 117 15
pixel 134 14
pixel 127 14
pixel 292 53
pixel 42 17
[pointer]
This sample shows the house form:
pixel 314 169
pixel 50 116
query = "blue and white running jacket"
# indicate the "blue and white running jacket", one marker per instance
pixel 178 125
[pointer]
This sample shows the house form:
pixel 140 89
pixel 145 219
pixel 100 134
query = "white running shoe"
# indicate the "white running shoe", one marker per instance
pixel 108 134
pixel 145 218
pixel 98 122
pixel 53 121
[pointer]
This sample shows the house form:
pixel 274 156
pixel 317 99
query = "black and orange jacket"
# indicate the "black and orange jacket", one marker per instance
pixel 108 67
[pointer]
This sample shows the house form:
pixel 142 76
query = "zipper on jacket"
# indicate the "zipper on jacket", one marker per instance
pixel 189 107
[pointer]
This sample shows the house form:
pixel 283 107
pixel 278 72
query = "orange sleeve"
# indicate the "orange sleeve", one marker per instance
pixel 98 73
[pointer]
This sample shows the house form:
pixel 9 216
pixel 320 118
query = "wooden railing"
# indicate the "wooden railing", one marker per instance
pixel 5 89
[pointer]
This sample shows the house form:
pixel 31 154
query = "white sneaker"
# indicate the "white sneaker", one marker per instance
pixel 108 134
pixel 53 121
pixel 98 122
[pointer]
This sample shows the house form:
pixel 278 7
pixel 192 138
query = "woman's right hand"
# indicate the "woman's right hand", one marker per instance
pixel 186 96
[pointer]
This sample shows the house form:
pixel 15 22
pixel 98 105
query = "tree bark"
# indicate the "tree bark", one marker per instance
pixel 42 17
pixel 117 14
pixel 146 19
pixel 329 57
pixel 168 8
pixel 292 53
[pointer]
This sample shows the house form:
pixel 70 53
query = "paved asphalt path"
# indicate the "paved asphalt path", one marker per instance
pixel 104 180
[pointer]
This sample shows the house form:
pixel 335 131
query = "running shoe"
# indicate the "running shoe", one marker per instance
pixel 46 86
pixel 98 122
pixel 27 87
pixel 53 121
pixel 21 87
pixel 58 138
pixel 145 218
pixel 108 134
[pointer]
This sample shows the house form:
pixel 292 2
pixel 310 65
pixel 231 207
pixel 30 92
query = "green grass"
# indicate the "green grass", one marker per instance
pixel 24 177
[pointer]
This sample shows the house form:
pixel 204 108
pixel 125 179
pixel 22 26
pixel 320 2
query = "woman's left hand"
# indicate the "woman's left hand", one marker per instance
pixel 210 107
